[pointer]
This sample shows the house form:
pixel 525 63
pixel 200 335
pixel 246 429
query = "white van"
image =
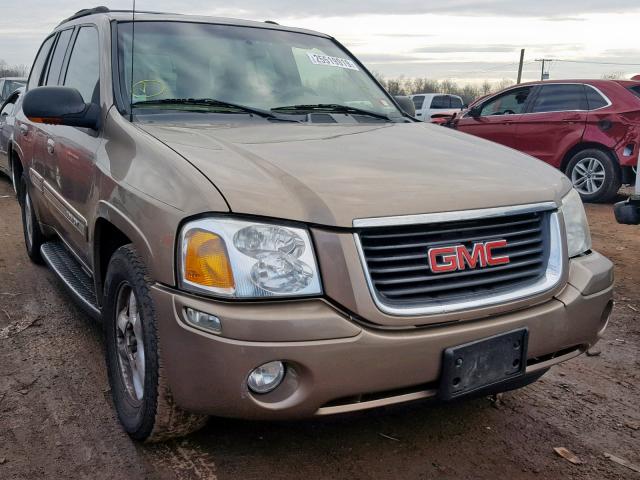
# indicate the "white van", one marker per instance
pixel 428 104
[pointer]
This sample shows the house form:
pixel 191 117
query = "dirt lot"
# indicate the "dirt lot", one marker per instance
pixel 56 419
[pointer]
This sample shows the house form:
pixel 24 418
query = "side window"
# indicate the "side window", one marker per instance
pixel 439 102
pixel 456 102
pixel 38 65
pixel 418 101
pixel 560 98
pixel 509 103
pixel 57 58
pixel 83 72
pixel 594 99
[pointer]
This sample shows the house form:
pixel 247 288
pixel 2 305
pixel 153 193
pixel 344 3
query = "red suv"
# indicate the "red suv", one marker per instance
pixel 589 129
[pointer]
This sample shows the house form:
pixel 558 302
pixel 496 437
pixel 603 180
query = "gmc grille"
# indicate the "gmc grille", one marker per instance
pixel 397 263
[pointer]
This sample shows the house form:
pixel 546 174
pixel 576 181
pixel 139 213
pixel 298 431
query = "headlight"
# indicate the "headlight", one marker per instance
pixel 576 224
pixel 243 259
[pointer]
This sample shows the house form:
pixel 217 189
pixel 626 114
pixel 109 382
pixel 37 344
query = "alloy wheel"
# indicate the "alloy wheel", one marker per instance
pixel 588 176
pixel 28 218
pixel 130 343
pixel 14 180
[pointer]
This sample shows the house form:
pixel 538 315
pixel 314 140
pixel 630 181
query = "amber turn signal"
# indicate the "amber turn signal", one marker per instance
pixel 206 261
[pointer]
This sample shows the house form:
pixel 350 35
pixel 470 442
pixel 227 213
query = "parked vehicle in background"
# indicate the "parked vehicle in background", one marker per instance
pixel 8 112
pixel 265 234
pixel 628 211
pixel 8 85
pixel 438 104
pixel 589 129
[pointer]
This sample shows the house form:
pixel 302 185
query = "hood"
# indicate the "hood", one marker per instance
pixel 331 174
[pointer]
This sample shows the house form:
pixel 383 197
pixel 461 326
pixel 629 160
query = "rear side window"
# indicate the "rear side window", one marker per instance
pixel 440 101
pixel 635 90
pixel 560 98
pixel 418 101
pixel 594 99
pixel 456 102
pixel 38 65
pixel 83 72
pixel 55 66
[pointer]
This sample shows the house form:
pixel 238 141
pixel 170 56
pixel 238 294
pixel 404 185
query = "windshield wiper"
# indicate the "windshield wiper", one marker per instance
pixel 211 102
pixel 330 107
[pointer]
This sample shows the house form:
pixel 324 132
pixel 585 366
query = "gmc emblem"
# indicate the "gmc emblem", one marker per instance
pixel 452 259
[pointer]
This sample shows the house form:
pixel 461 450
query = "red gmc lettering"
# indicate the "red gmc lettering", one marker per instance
pixel 449 259
pixel 477 257
pixel 454 258
pixel 491 260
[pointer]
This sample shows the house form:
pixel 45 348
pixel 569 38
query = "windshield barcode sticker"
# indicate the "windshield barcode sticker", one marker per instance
pixel 318 59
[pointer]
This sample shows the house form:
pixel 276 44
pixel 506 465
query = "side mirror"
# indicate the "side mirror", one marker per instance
pixel 475 111
pixel 60 106
pixel 406 104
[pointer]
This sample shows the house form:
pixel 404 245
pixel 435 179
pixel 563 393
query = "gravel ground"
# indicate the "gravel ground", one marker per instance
pixel 56 418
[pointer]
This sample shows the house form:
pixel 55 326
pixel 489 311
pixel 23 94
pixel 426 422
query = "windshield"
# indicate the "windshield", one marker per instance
pixel 254 67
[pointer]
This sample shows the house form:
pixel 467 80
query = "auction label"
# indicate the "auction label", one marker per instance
pixel 318 59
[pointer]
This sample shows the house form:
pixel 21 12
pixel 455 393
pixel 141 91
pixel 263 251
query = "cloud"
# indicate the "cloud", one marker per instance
pixel 375 58
pixel 328 8
pixel 550 9
pixel 467 48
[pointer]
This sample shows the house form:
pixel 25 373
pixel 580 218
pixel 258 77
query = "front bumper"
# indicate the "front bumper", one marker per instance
pixel 337 365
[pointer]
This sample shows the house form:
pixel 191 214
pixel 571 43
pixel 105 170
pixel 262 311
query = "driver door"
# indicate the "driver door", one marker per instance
pixel 71 151
pixel 499 117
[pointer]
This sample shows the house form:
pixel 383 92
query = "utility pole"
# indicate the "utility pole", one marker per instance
pixel 544 76
pixel 520 66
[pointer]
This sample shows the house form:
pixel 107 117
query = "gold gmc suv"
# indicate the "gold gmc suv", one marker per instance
pixel 265 233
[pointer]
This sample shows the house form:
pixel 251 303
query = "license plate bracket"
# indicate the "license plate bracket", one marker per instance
pixel 483 363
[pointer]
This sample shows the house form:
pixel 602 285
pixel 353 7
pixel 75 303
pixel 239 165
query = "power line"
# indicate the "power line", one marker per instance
pixel 593 62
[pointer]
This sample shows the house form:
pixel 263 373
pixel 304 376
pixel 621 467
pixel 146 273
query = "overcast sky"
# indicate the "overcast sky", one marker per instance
pixel 464 40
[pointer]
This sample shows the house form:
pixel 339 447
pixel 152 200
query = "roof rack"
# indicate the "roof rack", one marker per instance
pixel 85 12
pixel 91 11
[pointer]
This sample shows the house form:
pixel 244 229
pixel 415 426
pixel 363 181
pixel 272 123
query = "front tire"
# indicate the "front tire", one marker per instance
pixel 595 175
pixel 33 237
pixel 140 393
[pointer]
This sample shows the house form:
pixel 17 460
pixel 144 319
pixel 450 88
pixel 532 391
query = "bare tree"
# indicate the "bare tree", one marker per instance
pixel 7 70
pixel 412 86
pixel 613 76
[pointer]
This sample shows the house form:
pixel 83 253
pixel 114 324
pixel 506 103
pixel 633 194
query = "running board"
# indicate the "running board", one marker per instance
pixel 74 278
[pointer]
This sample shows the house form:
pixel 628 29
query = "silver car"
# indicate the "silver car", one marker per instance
pixel 8 111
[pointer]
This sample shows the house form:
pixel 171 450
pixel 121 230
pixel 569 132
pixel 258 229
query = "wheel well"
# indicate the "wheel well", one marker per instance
pixel 584 146
pixel 107 239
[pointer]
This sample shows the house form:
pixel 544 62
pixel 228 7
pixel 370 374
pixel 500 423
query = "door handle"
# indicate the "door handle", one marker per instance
pixel 24 129
pixel 51 146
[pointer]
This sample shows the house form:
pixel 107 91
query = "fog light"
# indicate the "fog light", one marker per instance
pixel 266 378
pixel 204 321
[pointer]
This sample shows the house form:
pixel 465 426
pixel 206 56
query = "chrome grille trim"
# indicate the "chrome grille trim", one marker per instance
pixel 452 216
pixel 553 274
